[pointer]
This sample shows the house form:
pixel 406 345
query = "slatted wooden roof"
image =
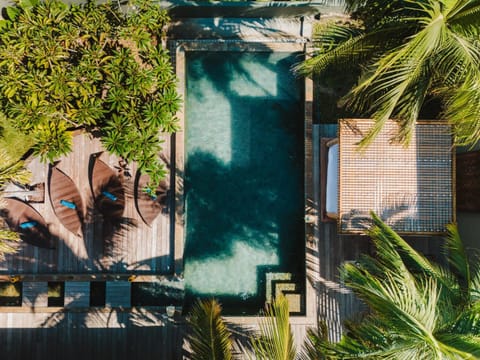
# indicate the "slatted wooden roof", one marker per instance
pixel 411 188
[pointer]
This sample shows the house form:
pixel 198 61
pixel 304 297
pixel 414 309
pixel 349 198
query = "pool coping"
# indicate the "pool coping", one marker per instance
pixel 178 52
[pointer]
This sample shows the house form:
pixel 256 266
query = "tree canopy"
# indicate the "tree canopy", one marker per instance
pixel 98 67
pixel 412 54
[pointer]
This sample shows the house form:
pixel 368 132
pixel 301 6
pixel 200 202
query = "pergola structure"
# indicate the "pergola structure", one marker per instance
pixel 410 187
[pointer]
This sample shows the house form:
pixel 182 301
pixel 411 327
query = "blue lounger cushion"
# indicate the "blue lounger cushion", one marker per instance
pixel 109 195
pixel 28 224
pixel 68 204
pixel 151 194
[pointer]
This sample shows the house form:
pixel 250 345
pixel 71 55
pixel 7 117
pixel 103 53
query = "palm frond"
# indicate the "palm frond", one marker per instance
pixel 463 111
pixel 11 170
pixel 459 346
pixel 407 304
pixel 334 44
pixel 383 234
pixel 464 13
pixel 458 259
pixel 468 322
pixel 276 337
pixel 433 49
pixel 384 237
pixel 316 343
pixel 341 45
pixel 210 338
pixel 9 241
pixel 403 321
pixel 401 74
pixel 475 289
pixel 455 62
pixel 415 308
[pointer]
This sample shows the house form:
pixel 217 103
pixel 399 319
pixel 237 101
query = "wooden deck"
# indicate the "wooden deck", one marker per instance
pixel 97 334
pixel 127 246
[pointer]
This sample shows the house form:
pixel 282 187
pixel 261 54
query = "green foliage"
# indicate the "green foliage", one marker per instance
pixel 313 346
pixel 411 52
pixel 275 340
pixel 101 68
pixel 419 309
pixel 209 337
pixel 10 170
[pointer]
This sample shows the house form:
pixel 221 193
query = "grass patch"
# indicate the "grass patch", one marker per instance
pixel 13 141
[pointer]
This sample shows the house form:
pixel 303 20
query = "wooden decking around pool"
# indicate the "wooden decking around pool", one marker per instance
pixel 126 245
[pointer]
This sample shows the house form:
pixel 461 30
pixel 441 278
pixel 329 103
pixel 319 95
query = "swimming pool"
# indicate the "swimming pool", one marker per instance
pixel 244 177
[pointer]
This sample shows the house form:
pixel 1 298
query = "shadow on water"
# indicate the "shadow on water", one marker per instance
pixel 227 202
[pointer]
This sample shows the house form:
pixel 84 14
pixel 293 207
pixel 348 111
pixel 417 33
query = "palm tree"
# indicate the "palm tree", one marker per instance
pixel 210 337
pixel 410 52
pixel 10 171
pixel 418 309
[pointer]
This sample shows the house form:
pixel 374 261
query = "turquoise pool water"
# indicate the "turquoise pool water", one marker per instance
pixel 244 170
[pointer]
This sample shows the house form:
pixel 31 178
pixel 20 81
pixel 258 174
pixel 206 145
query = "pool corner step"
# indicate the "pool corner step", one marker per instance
pixel 284 283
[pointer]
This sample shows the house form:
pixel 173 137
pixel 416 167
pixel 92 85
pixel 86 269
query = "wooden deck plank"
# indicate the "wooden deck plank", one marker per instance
pixel 111 335
pixel 136 247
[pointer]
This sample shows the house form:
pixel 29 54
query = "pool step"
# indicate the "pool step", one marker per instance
pixel 284 283
pixel 270 279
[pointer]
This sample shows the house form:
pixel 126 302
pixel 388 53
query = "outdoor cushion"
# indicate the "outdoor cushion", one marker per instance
pixel 68 204
pixel 331 205
pixel 109 195
pixel 28 224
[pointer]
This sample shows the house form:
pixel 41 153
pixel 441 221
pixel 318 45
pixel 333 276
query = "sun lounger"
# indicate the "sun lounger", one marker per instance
pixel 66 201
